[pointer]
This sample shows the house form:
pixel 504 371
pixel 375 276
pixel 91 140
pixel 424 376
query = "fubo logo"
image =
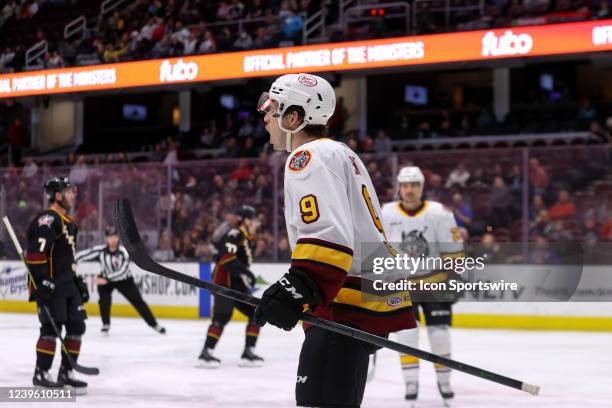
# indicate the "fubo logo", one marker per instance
pixel 179 71
pixel 507 44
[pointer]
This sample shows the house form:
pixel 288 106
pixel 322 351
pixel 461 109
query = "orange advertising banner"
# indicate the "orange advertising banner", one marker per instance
pixel 554 39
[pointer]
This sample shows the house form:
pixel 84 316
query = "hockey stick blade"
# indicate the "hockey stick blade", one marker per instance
pixel 77 367
pixel 130 237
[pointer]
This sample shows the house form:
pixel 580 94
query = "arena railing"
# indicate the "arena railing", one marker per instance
pixel 76 26
pixel 448 8
pixel 35 52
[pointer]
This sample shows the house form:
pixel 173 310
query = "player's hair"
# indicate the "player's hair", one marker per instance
pixel 312 130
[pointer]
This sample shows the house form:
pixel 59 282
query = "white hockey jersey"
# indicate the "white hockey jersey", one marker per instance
pixel 331 209
pixel 430 231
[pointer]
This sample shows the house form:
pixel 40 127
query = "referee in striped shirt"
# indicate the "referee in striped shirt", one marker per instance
pixel 115 274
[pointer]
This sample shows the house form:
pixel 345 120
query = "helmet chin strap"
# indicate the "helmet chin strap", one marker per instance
pixel 288 132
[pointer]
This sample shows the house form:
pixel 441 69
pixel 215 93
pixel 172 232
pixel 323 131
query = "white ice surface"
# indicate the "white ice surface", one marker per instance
pixel 140 368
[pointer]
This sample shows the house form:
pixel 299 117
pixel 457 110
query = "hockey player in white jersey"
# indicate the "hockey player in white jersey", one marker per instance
pixel 331 208
pixel 424 228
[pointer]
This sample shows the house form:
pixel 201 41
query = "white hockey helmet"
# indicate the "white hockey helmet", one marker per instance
pixel 313 93
pixel 411 174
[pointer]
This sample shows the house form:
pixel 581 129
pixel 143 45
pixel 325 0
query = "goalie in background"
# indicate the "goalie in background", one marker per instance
pixel 235 254
pixel 115 274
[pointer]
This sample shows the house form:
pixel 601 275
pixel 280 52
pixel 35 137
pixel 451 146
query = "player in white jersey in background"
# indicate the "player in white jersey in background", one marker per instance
pixel 331 209
pixel 424 228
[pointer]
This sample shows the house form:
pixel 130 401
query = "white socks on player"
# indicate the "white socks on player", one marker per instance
pixel 439 340
pixel 410 364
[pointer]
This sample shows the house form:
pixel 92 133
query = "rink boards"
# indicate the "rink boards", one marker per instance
pixel 170 299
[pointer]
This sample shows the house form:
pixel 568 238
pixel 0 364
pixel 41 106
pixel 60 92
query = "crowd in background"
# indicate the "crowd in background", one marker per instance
pixel 157 29
pixel 569 192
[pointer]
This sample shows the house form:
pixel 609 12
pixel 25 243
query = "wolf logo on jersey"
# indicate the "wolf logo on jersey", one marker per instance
pixel 414 243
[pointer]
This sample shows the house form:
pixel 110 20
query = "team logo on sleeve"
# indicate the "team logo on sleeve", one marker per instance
pixel 300 160
pixel 45 220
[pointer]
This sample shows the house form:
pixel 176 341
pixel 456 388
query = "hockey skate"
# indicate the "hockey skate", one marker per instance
pixel 447 393
pixel 159 329
pixel 412 392
pixel 207 360
pixel 105 329
pixel 43 379
pixel 66 378
pixel 250 359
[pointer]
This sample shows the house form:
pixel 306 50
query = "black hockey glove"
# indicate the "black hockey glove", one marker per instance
pixel 282 304
pixel 83 289
pixel 242 279
pixel 44 290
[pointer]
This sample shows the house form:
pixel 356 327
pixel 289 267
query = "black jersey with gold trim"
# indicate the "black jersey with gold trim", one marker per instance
pixel 51 247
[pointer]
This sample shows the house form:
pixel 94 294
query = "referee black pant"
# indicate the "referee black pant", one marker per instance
pixel 127 288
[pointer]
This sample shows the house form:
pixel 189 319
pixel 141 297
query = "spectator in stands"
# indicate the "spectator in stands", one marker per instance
pixel 243 42
pixel 223 11
pixel 172 156
pixel 367 145
pixel 382 144
pixel 462 211
pixel 537 206
pixel 79 172
pixel 86 211
pixel 54 60
pixel 435 189
pixel 190 44
pixel 208 45
pixel 180 33
pixel 284 252
pixel 515 180
pixel 542 253
pixel 424 131
pixel 538 177
pixel 465 128
pixel 489 249
pixel 445 129
pixel 590 229
pixel 208 138
pixel 604 10
pixel 459 176
pixel 605 234
pixel 478 179
pixel 262 40
pixel 30 168
pixel 203 251
pixel 6 58
pixel 563 208
pixel 500 204
pixel 164 252
pixel 587 112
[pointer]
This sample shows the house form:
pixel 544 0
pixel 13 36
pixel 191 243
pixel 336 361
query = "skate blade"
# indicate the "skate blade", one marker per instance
pixel 250 364
pixel 208 365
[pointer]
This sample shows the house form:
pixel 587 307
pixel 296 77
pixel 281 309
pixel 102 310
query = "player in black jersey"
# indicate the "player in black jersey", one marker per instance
pixel 233 260
pixel 50 253
pixel 115 273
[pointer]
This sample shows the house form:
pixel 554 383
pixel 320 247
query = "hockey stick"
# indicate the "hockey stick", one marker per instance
pixel 130 238
pixel 81 369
